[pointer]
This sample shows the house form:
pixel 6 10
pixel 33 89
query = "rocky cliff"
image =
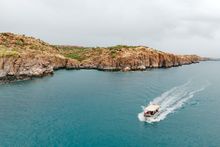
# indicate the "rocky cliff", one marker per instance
pixel 23 57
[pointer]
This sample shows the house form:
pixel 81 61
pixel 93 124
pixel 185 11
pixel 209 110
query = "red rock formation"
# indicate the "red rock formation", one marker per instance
pixel 24 57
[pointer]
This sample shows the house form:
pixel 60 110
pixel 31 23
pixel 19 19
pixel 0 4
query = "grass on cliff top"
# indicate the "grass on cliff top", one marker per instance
pixel 82 53
pixel 75 56
pixel 5 52
pixel 22 43
pixel 68 48
pixel 73 52
pixel 119 47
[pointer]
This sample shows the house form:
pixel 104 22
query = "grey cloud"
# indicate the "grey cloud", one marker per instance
pixel 171 25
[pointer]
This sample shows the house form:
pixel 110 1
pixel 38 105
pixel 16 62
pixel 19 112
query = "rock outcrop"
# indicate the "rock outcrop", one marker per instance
pixel 24 57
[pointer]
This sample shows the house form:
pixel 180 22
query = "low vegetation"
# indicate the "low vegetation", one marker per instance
pixel 75 56
pixel 119 47
pixel 4 52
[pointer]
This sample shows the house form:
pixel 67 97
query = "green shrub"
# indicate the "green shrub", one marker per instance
pixel 119 47
pixel 113 53
pixel 8 53
pixel 19 42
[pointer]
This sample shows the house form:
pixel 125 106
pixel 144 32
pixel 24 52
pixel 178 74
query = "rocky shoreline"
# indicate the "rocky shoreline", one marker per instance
pixel 22 67
pixel 24 57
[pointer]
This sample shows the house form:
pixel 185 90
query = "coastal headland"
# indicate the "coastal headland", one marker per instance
pixel 23 57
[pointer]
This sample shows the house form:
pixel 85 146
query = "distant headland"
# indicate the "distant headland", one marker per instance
pixel 23 57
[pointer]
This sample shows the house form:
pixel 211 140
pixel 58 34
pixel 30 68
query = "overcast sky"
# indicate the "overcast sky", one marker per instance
pixel 178 26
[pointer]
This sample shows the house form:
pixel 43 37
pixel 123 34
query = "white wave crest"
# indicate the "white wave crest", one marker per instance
pixel 171 100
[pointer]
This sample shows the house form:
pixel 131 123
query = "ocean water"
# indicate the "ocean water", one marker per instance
pixel 86 108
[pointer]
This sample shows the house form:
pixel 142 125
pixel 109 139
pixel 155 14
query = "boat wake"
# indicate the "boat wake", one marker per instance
pixel 172 100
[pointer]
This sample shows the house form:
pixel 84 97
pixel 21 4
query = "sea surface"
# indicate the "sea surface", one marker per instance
pixel 86 108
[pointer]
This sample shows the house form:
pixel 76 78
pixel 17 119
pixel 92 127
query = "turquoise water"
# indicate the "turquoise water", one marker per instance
pixel 93 108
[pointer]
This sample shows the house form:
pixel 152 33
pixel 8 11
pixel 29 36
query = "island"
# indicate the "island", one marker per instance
pixel 23 57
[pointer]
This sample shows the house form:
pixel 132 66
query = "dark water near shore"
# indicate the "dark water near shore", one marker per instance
pixel 93 108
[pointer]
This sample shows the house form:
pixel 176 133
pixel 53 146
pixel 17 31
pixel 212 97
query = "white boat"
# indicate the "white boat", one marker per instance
pixel 151 110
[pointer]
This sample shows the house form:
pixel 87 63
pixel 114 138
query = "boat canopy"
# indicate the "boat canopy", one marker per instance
pixel 152 107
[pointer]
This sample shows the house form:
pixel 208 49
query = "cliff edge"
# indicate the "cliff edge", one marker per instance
pixel 23 57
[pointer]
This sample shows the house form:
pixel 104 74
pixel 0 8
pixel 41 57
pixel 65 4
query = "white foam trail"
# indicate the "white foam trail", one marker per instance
pixel 171 100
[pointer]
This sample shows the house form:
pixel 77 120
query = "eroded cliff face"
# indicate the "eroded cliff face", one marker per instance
pixel 138 58
pixel 24 57
pixel 30 65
